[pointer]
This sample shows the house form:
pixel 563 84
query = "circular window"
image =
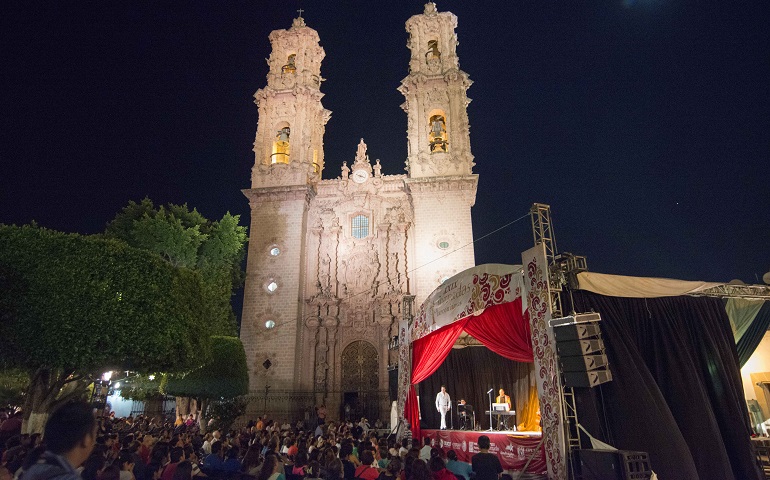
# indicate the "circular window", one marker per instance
pixel 275 251
pixel 272 286
pixel 269 324
pixel 443 245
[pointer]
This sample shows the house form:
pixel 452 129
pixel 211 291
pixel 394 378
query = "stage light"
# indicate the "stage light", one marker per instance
pixel 106 376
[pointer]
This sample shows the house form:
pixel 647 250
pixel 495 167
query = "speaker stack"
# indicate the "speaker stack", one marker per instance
pixel 581 350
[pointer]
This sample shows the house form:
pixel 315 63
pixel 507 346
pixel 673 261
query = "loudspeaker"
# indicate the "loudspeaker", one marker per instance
pixel 598 465
pixel 393 384
pixel 581 350
pixel 611 465
pixel 587 379
pixel 579 347
pixel 584 363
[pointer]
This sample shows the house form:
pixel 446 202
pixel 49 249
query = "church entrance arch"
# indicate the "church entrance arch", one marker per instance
pixel 360 381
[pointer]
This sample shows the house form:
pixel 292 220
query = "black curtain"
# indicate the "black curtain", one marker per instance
pixel 751 338
pixel 676 391
pixel 468 373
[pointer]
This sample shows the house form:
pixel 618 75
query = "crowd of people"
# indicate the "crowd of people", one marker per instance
pixel 75 445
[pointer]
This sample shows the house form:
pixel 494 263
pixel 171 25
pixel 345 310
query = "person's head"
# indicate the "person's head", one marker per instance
pixel 420 470
pixel 483 442
pixel 313 469
pixel 110 473
pixel 436 452
pixel 451 455
pixel 152 471
pixel 437 464
pixel 92 466
pixel 501 392
pixel 71 432
pixel 366 457
pixel 126 461
pixel 334 469
pixel 183 471
pixel 462 401
pixel 394 466
pixel 426 441
pixel 233 452
pixel 177 454
pixel 443 388
pixel 216 448
pixel 268 467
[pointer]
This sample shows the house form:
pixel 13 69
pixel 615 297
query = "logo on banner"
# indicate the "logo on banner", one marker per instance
pixel 465 446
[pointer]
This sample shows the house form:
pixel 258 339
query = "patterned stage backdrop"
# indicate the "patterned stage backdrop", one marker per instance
pixel 404 367
pixel 546 366
pixel 467 293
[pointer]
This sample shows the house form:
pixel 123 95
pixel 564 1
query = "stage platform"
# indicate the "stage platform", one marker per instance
pixel 512 448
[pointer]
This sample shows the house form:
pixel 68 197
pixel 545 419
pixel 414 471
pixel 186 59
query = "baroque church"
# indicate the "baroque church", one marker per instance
pixel 333 254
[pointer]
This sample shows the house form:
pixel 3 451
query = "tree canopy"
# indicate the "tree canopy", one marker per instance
pixel 185 238
pixel 226 375
pixel 79 304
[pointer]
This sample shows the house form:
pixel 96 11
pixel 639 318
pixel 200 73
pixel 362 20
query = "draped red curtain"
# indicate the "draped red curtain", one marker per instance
pixel 428 353
pixel 504 330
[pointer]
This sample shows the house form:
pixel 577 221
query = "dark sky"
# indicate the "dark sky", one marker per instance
pixel 644 124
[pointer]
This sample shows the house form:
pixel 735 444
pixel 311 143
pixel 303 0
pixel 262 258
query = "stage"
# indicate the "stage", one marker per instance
pixel 512 448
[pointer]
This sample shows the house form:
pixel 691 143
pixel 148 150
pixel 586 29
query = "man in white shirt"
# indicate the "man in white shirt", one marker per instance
pixel 442 405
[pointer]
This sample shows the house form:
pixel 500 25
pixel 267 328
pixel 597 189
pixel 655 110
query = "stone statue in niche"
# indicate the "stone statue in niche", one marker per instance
pixel 345 171
pixel 438 135
pixel 361 151
pixel 325 272
pixel 377 168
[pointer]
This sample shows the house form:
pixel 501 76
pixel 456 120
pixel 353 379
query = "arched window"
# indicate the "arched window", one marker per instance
pixel 281 146
pixel 359 227
pixel 437 136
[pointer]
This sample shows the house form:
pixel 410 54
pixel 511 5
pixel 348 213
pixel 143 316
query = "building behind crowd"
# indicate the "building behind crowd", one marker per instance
pixel 332 254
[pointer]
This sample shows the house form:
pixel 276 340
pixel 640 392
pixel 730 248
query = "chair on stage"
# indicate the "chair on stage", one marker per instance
pixel 467 416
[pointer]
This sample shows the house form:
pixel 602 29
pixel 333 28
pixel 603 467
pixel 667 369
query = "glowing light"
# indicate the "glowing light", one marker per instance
pixel 269 324
pixel 275 251
pixel 151 377
pixel 106 376
pixel 117 385
pixel 272 286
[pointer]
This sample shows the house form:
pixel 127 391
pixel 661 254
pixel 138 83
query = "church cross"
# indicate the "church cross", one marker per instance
pixel 300 12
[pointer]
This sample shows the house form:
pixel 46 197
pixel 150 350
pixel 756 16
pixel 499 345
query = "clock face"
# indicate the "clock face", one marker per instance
pixel 360 176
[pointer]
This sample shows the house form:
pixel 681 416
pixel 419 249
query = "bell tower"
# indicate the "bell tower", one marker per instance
pixel 436 102
pixel 439 162
pixel 289 159
pixel 288 147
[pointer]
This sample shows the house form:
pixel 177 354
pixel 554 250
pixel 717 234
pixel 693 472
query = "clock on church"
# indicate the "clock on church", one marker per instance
pixel 360 176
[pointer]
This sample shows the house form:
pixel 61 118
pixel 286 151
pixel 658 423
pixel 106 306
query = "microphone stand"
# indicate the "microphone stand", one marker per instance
pixel 490 409
pixel 451 417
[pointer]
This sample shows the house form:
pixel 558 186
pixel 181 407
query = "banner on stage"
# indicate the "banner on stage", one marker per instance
pixel 468 293
pixel 512 451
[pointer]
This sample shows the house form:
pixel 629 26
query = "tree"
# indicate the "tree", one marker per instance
pixel 73 306
pixel 223 378
pixel 185 238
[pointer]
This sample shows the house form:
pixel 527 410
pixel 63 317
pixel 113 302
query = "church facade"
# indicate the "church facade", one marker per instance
pixel 331 259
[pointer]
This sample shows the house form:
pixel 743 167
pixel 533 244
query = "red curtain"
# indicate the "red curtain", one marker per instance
pixel 428 353
pixel 504 330
pixel 501 328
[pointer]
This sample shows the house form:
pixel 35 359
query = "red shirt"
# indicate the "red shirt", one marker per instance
pixel 366 472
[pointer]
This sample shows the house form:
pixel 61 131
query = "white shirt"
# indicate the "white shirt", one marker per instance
pixel 442 400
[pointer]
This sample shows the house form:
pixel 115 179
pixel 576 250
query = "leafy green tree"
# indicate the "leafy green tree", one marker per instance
pixel 73 306
pixel 223 378
pixel 187 239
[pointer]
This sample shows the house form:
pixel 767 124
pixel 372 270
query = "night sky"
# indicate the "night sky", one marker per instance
pixel 644 124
